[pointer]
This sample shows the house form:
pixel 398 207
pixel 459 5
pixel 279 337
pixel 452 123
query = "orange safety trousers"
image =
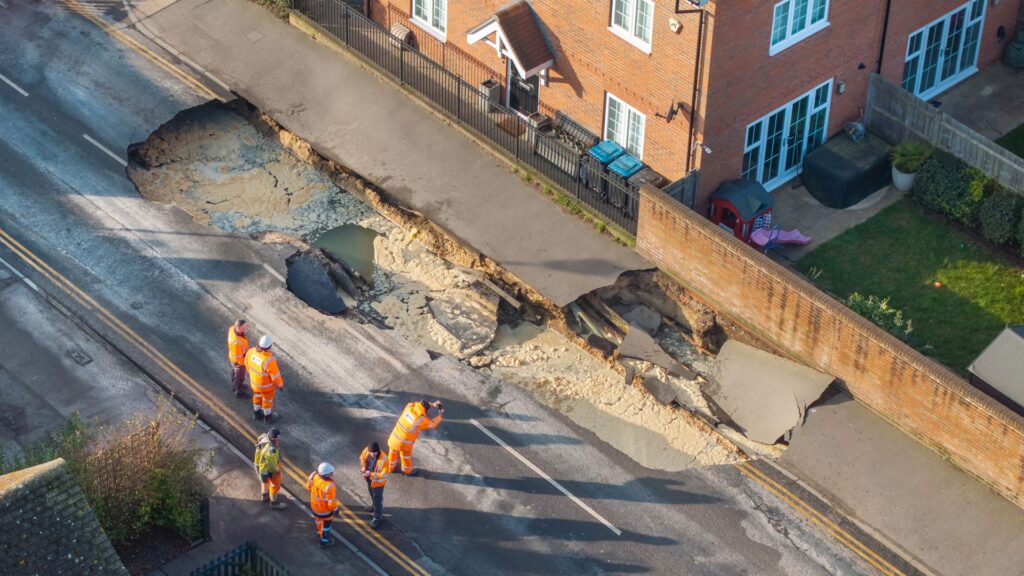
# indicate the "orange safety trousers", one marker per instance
pixel 400 449
pixel 272 485
pixel 263 397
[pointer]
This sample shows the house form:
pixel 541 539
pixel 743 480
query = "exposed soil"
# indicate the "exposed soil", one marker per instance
pixel 232 167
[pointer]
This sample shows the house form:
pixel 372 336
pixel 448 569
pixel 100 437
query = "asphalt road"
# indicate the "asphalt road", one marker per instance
pixel 163 289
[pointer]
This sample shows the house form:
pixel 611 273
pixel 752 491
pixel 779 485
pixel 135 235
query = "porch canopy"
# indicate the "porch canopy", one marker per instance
pixel 514 32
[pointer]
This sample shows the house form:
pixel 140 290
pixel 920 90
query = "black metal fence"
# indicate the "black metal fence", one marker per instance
pixel 246 560
pixel 478 109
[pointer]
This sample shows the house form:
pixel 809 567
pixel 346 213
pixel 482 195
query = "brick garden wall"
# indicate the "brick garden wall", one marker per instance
pixel 921 397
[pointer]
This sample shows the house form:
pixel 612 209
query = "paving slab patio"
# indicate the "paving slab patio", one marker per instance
pixel 991 102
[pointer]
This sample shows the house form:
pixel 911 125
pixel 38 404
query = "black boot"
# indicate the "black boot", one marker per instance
pixel 257 415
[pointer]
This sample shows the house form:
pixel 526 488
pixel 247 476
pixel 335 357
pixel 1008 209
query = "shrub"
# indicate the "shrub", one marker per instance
pixel 878 311
pixel 910 156
pixel 1000 216
pixel 953 188
pixel 146 475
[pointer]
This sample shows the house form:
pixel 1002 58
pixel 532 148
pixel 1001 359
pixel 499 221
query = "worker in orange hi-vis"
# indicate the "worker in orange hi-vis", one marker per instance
pixel 414 419
pixel 375 469
pixel 237 346
pixel 323 501
pixel 264 378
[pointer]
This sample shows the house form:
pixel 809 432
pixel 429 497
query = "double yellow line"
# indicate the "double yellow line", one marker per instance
pixel 819 519
pixel 115 324
pixel 146 53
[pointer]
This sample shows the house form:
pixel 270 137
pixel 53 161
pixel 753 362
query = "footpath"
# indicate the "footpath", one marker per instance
pixel 945 521
pixel 365 124
pixel 42 384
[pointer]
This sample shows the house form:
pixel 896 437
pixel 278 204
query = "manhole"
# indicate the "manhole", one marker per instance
pixel 80 358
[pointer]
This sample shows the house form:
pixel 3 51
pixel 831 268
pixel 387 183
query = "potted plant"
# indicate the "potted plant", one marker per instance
pixel 907 159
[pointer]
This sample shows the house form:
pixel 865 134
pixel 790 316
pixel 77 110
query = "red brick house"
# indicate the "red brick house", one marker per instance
pixel 732 88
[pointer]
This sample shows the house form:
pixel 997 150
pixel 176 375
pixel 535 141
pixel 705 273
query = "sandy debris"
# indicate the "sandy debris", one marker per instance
pixel 596 397
pixel 215 165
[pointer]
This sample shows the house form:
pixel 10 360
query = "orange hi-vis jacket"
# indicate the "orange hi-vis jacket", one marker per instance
pixel 379 470
pixel 413 421
pixel 263 371
pixel 237 345
pixel 322 499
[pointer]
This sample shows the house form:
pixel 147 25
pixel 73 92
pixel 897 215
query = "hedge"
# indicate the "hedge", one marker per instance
pixel 948 185
pixel 1000 216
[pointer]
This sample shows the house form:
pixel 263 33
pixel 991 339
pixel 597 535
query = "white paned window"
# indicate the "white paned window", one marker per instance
pixel 432 14
pixel 794 20
pixel 777 143
pixel 945 51
pixel 633 20
pixel 624 125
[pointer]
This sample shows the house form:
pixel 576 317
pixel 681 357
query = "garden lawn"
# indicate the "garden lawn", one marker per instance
pixel 899 253
pixel 1014 141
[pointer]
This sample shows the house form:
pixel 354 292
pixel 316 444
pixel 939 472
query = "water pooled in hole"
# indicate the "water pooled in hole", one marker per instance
pixel 352 244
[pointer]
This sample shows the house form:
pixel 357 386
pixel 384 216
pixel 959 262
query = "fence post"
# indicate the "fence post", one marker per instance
pixel 401 64
pixel 458 99
pixel 518 121
pixel 348 18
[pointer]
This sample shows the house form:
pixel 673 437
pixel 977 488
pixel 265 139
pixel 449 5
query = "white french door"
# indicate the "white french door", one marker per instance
pixel 777 143
pixel 945 51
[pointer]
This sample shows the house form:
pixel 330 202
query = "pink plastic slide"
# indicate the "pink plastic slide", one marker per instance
pixel 762 236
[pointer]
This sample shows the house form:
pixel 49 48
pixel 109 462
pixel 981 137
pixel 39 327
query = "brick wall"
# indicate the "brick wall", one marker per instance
pixel 590 61
pixel 916 394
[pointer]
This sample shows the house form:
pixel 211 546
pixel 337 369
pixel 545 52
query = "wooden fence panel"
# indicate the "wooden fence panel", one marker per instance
pixel 897 115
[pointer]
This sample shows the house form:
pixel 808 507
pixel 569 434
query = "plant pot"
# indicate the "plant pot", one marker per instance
pixel 903 181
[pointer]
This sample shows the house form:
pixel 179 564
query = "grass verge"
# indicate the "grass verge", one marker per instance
pixel 899 254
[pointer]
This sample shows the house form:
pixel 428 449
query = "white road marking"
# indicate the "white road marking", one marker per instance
pixel 543 475
pixel 274 272
pixel 13 85
pixel 105 150
pixel 25 279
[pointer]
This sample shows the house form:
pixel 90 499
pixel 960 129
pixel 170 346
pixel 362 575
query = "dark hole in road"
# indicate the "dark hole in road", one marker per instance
pixel 353 245
pixel 310 279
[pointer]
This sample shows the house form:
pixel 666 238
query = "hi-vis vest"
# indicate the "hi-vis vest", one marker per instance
pixel 262 367
pixel 379 469
pixel 413 421
pixel 321 496
pixel 268 456
pixel 237 345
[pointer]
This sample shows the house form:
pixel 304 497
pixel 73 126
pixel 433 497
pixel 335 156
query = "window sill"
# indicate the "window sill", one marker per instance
pixel 644 47
pixel 437 34
pixel 794 40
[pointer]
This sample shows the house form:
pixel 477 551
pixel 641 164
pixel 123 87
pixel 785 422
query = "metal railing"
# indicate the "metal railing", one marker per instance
pixel 246 560
pixel 515 135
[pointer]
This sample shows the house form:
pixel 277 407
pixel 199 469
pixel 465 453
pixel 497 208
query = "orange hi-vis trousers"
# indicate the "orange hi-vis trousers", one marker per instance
pixel 400 449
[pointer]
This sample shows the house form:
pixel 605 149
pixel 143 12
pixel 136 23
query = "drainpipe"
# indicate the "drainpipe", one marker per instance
pixel 885 33
pixel 696 82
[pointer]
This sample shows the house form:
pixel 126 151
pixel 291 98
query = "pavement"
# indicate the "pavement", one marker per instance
pixel 796 208
pixel 367 125
pixel 944 519
pixel 991 102
pixel 509 486
pixel 53 368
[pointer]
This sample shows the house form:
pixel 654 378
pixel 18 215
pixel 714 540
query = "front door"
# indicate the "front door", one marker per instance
pixel 945 51
pixel 777 143
pixel 522 94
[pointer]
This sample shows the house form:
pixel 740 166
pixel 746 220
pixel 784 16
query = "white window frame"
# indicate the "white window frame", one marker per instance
pixel 630 119
pixel 431 8
pixel 794 19
pixel 628 30
pixel 914 62
pixel 759 146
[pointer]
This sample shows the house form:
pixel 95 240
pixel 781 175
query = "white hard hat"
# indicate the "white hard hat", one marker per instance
pixel 325 469
pixel 266 341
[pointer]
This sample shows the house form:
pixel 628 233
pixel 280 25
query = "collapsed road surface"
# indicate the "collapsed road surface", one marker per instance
pixel 509 485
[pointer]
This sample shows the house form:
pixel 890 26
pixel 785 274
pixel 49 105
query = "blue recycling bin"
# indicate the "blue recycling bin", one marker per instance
pixel 619 171
pixel 594 171
pixel 606 152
